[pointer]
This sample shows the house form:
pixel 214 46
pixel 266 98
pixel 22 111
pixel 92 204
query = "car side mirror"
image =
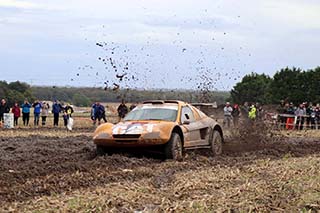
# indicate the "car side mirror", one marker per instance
pixel 186 122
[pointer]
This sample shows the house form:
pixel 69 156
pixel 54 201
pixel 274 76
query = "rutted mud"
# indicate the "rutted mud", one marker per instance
pixel 45 165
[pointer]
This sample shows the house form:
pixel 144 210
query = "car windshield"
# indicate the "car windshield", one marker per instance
pixel 153 113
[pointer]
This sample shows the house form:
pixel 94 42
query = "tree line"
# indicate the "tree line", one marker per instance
pixel 288 84
pixel 85 96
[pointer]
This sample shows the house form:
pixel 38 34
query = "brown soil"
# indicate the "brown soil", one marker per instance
pixel 35 166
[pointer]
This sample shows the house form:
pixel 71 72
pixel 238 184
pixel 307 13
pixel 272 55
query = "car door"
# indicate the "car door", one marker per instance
pixel 204 124
pixel 189 122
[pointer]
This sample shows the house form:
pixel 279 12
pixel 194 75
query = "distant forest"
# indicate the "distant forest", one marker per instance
pixel 85 96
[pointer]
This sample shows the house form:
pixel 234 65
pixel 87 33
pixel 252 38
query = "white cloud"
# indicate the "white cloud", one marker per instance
pixel 19 4
pixel 29 5
pixel 293 14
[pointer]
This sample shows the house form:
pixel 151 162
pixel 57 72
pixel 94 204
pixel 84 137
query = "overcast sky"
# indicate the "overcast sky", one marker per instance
pixel 158 43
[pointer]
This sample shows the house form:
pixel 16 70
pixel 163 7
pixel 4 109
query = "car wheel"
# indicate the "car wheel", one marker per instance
pixel 174 149
pixel 100 150
pixel 216 143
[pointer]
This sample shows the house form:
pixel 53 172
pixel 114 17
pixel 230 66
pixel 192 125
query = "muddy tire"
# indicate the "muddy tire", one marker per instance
pixel 100 150
pixel 216 143
pixel 174 149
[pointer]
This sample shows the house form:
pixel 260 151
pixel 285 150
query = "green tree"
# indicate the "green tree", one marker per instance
pixel 19 86
pixel 252 88
pixel 15 92
pixel 81 100
pixel 3 89
pixel 289 85
pixel 312 88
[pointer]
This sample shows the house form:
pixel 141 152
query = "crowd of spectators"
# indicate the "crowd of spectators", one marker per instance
pixel 305 115
pixel 289 116
pixel 249 112
pixel 40 110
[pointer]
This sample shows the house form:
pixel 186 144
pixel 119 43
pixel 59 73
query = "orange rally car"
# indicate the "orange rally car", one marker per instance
pixel 172 126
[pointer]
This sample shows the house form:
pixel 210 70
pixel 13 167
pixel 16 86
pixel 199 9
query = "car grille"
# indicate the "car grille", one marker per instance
pixel 126 138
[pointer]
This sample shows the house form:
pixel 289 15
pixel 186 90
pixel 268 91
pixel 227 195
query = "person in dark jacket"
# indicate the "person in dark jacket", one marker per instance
pixel 4 108
pixel 104 118
pixel 235 115
pixel 16 113
pixel 313 115
pixel 98 113
pixel 308 113
pixel 122 110
pixel 290 116
pixel 56 109
pixel 37 109
pixel 67 113
pixel 26 112
pixel 317 111
pixel 282 109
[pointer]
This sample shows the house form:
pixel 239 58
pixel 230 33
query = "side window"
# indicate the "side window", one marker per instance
pixel 187 114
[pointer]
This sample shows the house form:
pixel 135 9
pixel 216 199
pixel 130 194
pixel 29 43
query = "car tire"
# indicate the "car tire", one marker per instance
pixel 100 150
pixel 216 143
pixel 174 148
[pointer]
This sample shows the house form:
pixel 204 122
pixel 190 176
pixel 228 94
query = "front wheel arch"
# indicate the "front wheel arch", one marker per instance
pixel 178 130
pixel 173 149
pixel 219 129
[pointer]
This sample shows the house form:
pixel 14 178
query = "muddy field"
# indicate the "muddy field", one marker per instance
pixel 54 170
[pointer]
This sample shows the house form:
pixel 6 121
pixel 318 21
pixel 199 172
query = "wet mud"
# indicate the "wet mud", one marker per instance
pixel 45 165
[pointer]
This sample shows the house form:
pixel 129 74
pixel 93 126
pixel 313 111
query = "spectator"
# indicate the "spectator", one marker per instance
pixel 37 109
pixel 68 110
pixel 26 112
pixel 244 111
pixel 122 110
pixel 259 112
pixel 290 118
pixel 252 112
pixel 93 113
pixel 235 115
pixel 56 109
pixel 282 109
pixel 317 111
pixel 103 115
pixel 227 110
pixel 44 113
pixel 290 109
pixel 313 118
pixel 16 113
pixel 4 108
pixel 309 110
pixel 300 113
pixel 99 112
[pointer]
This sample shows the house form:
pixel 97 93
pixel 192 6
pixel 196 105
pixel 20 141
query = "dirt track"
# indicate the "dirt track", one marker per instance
pixel 37 166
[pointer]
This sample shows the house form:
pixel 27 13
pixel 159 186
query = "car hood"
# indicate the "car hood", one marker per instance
pixel 141 127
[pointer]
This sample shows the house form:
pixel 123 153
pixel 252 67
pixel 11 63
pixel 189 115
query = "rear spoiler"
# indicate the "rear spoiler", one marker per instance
pixel 161 102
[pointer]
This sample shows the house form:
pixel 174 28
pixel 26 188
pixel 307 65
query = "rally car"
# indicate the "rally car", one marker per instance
pixel 168 125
